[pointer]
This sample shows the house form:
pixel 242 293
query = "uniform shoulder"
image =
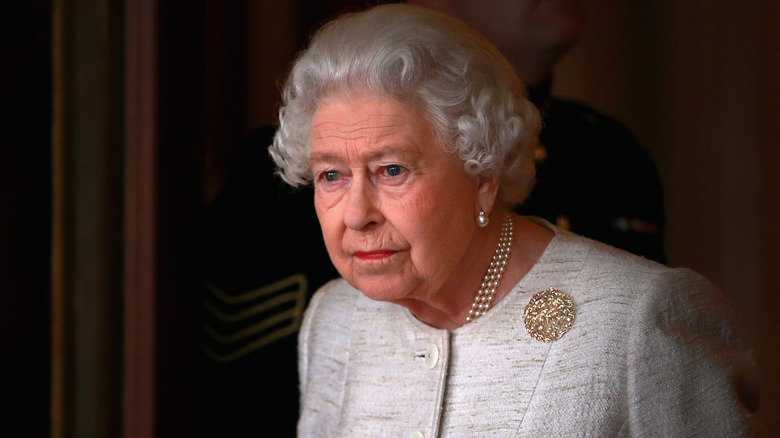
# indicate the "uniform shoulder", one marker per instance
pixel 574 110
pixel 567 117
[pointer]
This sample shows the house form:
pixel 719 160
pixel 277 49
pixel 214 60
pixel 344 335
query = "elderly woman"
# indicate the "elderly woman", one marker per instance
pixel 455 317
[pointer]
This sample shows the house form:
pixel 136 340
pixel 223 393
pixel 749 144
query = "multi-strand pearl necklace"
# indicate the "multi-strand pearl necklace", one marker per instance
pixel 495 272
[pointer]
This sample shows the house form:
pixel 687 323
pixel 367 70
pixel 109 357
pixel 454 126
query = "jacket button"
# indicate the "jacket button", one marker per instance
pixel 416 434
pixel 431 356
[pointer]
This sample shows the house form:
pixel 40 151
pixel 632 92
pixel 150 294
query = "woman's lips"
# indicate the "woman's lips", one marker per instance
pixel 374 255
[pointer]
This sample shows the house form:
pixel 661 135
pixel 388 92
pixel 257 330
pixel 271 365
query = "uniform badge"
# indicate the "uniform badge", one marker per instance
pixel 240 324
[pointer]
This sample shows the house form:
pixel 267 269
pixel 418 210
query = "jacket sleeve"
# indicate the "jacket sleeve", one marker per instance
pixel 691 370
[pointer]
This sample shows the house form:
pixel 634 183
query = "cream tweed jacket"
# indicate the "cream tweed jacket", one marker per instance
pixel 652 352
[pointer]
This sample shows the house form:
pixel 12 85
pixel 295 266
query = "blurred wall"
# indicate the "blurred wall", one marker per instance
pixel 699 84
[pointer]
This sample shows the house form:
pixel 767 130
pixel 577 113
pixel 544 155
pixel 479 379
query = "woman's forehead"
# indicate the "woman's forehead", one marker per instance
pixel 368 121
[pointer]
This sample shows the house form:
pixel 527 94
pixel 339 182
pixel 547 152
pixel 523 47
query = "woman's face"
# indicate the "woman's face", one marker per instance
pixel 397 214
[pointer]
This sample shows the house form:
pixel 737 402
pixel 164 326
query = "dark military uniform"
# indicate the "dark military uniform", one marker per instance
pixel 594 179
pixel 262 258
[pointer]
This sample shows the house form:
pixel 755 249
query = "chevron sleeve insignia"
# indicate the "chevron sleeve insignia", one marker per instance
pixel 236 325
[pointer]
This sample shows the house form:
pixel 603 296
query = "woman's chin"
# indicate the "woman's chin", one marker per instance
pixel 380 289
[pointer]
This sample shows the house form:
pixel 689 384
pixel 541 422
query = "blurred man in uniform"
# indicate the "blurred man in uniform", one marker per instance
pixel 262 258
pixel 592 175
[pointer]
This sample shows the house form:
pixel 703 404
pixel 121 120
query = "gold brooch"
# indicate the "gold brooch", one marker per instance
pixel 549 315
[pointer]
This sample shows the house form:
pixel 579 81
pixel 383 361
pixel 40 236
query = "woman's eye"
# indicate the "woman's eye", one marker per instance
pixel 394 170
pixel 330 176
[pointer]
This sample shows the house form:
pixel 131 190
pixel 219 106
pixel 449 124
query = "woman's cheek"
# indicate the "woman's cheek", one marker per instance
pixel 424 206
pixel 326 199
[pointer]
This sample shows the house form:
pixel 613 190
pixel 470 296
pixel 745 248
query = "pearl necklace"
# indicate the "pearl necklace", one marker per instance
pixel 495 272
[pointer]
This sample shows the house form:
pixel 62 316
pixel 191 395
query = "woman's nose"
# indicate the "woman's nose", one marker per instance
pixel 361 209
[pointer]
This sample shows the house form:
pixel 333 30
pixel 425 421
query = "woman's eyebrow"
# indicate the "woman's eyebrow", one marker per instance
pixel 324 157
pixel 393 150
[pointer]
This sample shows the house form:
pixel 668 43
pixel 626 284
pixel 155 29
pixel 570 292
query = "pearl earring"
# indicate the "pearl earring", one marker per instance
pixel 482 219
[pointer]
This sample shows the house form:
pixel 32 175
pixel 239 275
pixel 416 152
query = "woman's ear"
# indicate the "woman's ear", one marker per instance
pixel 487 192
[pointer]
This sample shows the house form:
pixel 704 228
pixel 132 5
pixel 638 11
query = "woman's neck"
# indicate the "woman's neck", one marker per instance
pixel 449 309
